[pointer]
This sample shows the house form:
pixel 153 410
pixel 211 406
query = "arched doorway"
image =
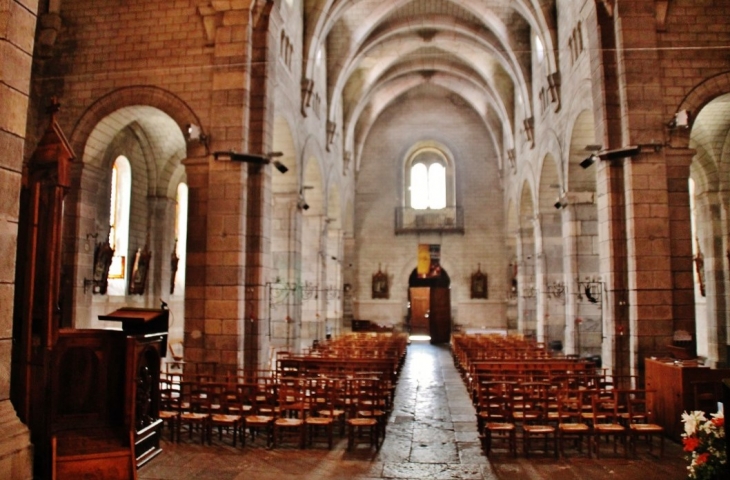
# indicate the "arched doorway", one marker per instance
pixel 429 305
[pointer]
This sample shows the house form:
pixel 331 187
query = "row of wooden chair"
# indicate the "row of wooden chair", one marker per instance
pixel 303 409
pixel 561 416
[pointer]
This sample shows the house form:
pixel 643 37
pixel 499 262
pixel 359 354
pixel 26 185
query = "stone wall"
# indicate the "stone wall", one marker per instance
pixel 17 29
pixel 435 116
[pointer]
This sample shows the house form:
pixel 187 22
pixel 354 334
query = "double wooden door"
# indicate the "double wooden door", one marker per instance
pixel 431 313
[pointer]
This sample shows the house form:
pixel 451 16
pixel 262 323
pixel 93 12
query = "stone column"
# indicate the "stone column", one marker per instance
pixel 284 309
pixel 214 287
pixel 651 252
pixel 580 257
pixel 162 241
pixel 678 161
pixel 611 214
pixel 540 279
pixel 17 43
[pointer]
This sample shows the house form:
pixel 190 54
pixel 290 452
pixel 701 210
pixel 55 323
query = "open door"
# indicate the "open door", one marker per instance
pixel 420 305
pixel 440 315
pixel 430 305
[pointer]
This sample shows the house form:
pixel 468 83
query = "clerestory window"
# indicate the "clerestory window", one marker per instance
pixel 428 186
pixel 429 175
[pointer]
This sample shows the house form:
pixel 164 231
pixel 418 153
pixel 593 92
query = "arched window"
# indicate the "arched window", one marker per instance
pixel 181 234
pixel 120 197
pixel 428 184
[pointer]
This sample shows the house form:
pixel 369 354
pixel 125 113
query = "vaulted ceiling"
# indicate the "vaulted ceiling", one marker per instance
pixel 379 50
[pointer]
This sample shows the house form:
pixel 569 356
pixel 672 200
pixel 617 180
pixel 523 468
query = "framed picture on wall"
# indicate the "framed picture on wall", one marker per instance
pixel 138 281
pixel 380 285
pixel 479 284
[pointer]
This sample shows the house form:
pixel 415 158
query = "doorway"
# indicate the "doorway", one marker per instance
pixel 429 310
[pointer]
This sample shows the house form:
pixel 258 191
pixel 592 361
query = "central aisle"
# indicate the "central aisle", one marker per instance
pixel 431 435
pixel 432 431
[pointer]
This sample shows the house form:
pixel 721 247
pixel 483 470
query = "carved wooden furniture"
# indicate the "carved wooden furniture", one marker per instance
pixel 670 390
pixel 89 397
pixel 145 332
pixel 89 438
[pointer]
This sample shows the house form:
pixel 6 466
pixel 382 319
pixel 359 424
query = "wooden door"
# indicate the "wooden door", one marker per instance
pixel 420 304
pixel 440 315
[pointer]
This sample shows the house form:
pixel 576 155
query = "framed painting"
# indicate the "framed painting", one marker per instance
pixel 380 285
pixel 479 284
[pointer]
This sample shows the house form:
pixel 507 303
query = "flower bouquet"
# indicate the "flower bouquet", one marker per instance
pixel 704 441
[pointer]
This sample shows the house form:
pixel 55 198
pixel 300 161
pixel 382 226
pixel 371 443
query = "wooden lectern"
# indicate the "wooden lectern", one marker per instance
pixel 146 343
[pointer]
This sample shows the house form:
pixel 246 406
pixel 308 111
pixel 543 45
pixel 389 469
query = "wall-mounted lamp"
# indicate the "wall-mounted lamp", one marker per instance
pixel 255 158
pixel 302 203
pixel 194 133
pixel 681 120
pixel 589 161
pixel 623 152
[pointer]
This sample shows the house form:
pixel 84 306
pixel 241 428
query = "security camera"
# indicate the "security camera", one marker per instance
pixel 280 166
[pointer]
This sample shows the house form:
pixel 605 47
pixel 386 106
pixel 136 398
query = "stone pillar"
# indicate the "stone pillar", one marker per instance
pixel 284 309
pixel 651 252
pixel 17 48
pixel 709 267
pixel 526 287
pixel 612 249
pixel 333 262
pixel 554 284
pixel 678 161
pixel 258 249
pixel 214 287
pixel 580 257
pixel 162 242
pixel 540 279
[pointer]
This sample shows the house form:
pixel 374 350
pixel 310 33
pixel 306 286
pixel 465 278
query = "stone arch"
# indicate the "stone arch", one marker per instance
pixel 145 124
pixel 709 136
pixel 703 93
pixel 151 96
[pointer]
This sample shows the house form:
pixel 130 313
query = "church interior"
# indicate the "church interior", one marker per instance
pixel 226 186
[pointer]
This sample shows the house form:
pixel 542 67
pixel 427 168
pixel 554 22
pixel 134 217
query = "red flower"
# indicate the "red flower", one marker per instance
pixel 702 458
pixel 718 422
pixel 690 444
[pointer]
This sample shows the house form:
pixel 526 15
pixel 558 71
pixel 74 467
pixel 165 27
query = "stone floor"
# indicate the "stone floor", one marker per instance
pixel 431 435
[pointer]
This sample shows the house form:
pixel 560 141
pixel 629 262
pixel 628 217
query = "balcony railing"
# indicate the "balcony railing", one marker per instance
pixel 444 220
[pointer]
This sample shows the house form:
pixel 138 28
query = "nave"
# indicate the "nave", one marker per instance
pixel 431 434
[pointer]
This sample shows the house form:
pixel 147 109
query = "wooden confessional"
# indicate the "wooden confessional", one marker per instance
pixel 88 396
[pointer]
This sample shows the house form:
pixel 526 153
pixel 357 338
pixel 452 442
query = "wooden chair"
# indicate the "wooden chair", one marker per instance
pixel 498 423
pixel 607 421
pixel 169 406
pixel 291 413
pixel 371 401
pixel 360 395
pixel 570 421
pixel 194 409
pixel 535 418
pixel 256 406
pixel 321 409
pixel 706 395
pixel 340 404
pixel 641 421
pixel 226 415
